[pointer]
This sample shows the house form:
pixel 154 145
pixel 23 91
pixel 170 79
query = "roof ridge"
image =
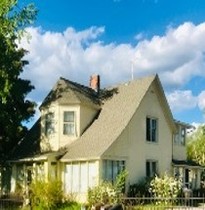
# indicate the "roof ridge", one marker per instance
pixel 86 89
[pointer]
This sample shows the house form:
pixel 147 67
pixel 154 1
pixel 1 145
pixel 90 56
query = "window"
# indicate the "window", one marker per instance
pixel 69 123
pixel 111 168
pixel 151 129
pixel 151 168
pixel 180 136
pixel 49 123
pixel 80 176
pixel 183 135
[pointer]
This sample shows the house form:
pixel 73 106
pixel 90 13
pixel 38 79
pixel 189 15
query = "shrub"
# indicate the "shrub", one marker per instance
pixel 106 192
pixel 46 195
pixel 140 189
pixel 165 188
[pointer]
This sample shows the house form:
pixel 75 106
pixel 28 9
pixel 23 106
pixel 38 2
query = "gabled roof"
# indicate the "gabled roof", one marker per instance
pixel 117 107
pixel 29 146
pixel 66 91
pixel 115 115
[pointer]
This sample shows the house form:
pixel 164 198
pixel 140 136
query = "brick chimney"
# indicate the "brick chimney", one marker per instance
pixel 95 82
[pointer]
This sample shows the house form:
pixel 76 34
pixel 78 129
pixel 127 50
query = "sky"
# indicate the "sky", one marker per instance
pixel 113 38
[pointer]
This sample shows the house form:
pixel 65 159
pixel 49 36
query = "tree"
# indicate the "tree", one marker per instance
pixel 196 146
pixel 14 107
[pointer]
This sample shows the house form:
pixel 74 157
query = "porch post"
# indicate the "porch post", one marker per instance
pixel 34 171
pixel 13 178
pixel 46 170
pixel 198 178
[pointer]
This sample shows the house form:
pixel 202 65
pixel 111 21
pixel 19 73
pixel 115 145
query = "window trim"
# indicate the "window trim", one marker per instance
pixel 69 123
pixel 149 129
pixel 151 172
pixel 49 123
pixel 109 174
pixel 180 137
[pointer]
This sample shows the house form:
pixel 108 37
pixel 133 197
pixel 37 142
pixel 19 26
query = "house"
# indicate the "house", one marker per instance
pixel 87 134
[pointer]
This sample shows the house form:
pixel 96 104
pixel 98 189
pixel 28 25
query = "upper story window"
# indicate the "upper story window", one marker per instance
pixel 49 123
pixel 69 123
pixel 183 136
pixel 180 137
pixel 151 168
pixel 151 129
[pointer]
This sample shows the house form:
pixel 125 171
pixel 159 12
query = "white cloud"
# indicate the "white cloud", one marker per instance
pixel 74 55
pixel 201 102
pixel 176 57
pixel 181 100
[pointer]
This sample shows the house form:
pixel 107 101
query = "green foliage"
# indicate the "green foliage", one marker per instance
pixel 196 146
pixel 120 181
pixel 13 19
pixel 104 193
pixel 46 195
pixel 108 193
pixel 140 189
pixel 15 108
pixel 165 187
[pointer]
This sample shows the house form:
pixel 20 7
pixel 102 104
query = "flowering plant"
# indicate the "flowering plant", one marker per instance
pixel 165 188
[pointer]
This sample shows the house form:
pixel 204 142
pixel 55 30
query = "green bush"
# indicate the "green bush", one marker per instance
pixel 165 188
pixel 140 189
pixel 46 195
pixel 106 192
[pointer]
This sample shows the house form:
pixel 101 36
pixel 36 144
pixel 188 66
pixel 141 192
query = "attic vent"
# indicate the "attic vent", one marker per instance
pixel 95 82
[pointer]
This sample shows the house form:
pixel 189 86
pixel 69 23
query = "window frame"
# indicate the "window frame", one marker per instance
pixel 150 170
pixel 71 130
pixel 111 168
pixel 180 137
pixel 49 123
pixel 152 126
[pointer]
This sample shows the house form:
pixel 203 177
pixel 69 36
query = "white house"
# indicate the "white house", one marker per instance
pixel 88 134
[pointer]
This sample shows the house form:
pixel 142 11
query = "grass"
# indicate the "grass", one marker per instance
pixel 67 206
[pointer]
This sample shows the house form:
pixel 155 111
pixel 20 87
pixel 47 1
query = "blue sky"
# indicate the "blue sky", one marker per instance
pixel 75 39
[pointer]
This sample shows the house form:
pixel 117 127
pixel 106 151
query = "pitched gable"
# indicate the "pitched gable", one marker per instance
pixel 116 113
pixel 66 91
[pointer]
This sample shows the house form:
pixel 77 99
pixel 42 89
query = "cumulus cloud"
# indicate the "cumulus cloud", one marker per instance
pixel 177 56
pixel 201 102
pixel 74 55
pixel 182 100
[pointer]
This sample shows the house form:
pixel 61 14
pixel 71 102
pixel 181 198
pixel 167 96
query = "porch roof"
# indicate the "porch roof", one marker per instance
pixel 52 156
pixel 186 163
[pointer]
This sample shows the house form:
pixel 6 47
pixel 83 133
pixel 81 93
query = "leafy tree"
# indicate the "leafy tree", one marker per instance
pixel 196 146
pixel 14 107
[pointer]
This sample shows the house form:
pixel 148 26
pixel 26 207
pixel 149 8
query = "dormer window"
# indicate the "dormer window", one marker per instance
pixel 49 123
pixel 69 123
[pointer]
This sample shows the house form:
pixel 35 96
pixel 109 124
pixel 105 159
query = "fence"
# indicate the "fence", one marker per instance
pixel 134 203
pixel 10 204
pixel 150 203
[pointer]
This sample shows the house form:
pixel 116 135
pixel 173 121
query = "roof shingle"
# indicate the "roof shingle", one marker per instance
pixel 115 114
